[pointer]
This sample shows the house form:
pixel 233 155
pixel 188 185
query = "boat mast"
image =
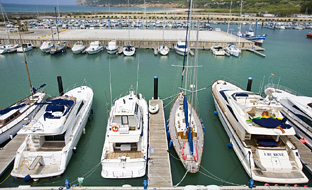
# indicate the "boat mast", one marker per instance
pixel 58 36
pixel 230 18
pixel 5 17
pixel 164 29
pixel 31 91
pixel 128 23
pixel 186 43
pixel 189 24
pixel 240 24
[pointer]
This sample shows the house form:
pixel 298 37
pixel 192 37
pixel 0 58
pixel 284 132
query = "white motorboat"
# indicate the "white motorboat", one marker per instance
pixel 15 116
pixel 112 47
pixel 8 48
pixel 298 110
pixel 95 47
pixel 260 136
pixel 125 148
pixel 53 134
pixel 233 50
pixel 25 47
pixel 129 50
pixel 78 47
pixel 163 50
pixel 217 50
pixel 58 48
pixel 46 46
pixel 181 48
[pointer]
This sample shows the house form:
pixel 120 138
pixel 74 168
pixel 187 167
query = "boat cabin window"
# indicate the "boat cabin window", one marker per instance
pixel 80 106
pixel 55 137
pixel 310 105
pixel 1 122
pixel 124 120
pixel 9 119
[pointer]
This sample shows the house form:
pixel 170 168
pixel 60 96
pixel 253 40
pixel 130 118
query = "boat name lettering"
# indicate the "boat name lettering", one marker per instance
pixel 273 154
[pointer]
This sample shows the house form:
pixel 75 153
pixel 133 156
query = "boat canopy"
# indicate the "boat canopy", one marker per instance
pixel 271 123
pixel 7 110
pixel 57 105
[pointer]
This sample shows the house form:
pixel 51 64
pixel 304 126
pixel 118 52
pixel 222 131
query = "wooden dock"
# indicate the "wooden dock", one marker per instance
pixel 8 152
pixel 159 169
pixel 256 52
pixel 305 154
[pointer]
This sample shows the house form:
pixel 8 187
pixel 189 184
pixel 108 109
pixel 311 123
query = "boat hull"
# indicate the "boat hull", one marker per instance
pixel 54 161
pixel 190 163
pixel 228 122
pixel 12 128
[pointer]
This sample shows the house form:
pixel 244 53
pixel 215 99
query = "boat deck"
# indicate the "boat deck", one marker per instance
pixel 159 169
pixel 133 154
pixel 8 152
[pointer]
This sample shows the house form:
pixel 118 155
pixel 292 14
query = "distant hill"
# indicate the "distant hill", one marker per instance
pixel 279 7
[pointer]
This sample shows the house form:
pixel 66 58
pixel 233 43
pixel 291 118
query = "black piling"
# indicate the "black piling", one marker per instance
pixel 249 84
pixel 60 85
pixel 155 87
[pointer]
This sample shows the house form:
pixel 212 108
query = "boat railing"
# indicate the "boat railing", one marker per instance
pixel 84 83
pixel 231 81
pixel 284 88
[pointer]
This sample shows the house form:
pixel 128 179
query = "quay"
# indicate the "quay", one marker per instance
pixel 305 154
pixel 8 152
pixel 159 169
pixel 140 38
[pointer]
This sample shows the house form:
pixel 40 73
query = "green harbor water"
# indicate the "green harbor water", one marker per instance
pixel 288 57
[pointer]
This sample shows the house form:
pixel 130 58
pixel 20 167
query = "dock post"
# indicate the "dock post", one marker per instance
pixel 60 85
pixel 249 84
pixel 155 87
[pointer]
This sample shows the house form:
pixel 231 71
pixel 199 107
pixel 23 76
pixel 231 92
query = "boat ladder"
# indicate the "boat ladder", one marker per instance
pixel 35 162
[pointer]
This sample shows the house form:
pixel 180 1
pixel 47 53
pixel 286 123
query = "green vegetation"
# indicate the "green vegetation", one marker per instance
pixel 279 7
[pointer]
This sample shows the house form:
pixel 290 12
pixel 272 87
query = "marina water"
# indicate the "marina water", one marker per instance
pixel 288 57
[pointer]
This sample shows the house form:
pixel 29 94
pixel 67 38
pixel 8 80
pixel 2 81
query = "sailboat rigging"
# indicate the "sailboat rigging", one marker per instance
pixel 128 50
pixel 15 116
pixel 185 128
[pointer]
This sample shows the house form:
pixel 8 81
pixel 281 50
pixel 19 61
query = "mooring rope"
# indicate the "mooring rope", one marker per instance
pixel 181 179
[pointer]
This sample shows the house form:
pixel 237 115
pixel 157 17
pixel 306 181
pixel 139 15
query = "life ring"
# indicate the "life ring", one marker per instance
pixel 265 113
pixel 115 128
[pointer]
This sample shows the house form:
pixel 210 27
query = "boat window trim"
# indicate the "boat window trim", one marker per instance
pixel 80 106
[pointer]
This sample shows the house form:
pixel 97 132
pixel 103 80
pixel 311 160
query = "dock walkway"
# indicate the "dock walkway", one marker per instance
pixel 305 154
pixel 8 152
pixel 159 170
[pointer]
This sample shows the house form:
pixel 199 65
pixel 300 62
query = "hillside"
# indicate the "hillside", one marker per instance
pixel 279 7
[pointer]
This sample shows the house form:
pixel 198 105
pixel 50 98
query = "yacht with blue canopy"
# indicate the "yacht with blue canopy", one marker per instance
pixel 259 134
pixel 53 134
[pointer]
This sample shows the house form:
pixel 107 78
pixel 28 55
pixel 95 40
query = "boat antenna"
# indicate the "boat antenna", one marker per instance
pixel 5 16
pixel 31 91
pixel 186 40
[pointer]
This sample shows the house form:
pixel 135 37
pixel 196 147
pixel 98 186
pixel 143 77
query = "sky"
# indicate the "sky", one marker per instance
pixel 41 2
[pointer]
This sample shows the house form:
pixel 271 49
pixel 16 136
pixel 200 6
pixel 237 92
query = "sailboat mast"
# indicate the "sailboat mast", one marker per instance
pixel 230 18
pixel 5 17
pixel 58 36
pixel 164 28
pixel 128 23
pixel 186 41
pixel 240 24
pixel 26 63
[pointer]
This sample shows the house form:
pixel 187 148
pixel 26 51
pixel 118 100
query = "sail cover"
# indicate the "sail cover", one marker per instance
pixel 189 136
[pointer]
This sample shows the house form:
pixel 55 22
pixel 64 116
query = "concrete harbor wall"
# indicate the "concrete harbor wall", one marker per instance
pixel 138 38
